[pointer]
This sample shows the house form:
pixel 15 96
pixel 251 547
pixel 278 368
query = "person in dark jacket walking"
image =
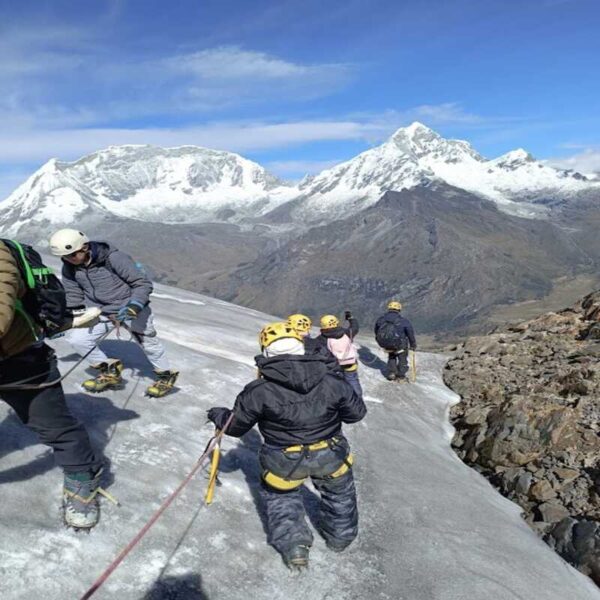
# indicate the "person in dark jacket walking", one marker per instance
pixel 299 404
pixel 395 334
pixel 97 274
pixel 338 341
pixel 44 410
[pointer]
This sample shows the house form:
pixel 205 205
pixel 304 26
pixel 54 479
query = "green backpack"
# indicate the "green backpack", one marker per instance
pixel 44 305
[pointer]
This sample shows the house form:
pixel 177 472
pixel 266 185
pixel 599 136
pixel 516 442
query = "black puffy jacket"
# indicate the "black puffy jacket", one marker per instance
pixel 299 400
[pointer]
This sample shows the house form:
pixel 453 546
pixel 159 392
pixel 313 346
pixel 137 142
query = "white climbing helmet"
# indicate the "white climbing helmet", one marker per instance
pixel 67 241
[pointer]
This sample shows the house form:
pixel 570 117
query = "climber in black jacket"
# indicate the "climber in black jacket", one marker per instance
pixel 299 404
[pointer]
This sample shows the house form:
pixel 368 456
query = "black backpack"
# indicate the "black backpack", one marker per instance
pixel 391 336
pixel 45 302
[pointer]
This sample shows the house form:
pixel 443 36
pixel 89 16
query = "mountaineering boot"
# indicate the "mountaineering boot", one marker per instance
pixel 337 546
pixel 391 376
pixel 165 380
pixel 108 378
pixel 296 558
pixel 80 504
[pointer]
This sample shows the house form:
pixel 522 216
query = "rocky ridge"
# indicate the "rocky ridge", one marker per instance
pixel 529 421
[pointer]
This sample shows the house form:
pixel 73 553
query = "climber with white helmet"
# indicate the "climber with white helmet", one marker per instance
pixel 97 274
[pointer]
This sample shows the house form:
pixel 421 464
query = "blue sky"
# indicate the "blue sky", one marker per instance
pixel 296 86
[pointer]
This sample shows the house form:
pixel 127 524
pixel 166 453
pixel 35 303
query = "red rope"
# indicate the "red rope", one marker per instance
pixel 96 585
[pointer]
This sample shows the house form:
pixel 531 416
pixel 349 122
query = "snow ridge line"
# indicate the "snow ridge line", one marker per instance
pixel 107 572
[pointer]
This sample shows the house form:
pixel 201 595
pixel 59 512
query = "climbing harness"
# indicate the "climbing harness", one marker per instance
pixel 287 483
pixel 105 575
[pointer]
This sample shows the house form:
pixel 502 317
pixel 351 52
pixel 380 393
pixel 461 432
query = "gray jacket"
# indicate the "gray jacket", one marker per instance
pixel 110 281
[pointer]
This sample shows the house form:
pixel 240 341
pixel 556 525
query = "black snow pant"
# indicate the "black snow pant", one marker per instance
pixel 45 411
pixel 338 511
pixel 398 363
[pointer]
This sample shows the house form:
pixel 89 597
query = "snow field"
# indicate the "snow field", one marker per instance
pixel 431 528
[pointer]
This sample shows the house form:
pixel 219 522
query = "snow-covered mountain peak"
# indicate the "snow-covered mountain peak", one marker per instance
pixel 182 184
pixel 419 141
pixel 191 184
pixel 416 154
pixel 514 158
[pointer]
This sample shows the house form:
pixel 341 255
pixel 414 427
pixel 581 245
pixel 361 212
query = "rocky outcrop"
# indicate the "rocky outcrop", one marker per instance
pixel 529 421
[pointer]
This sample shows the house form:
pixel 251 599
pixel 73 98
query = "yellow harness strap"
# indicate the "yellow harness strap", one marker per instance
pixel 346 465
pixel 312 447
pixel 279 483
pixel 286 485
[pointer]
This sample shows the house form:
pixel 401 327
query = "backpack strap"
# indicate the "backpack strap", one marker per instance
pixel 35 330
pixel 31 274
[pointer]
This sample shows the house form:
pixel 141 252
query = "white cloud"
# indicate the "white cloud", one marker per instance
pixel 49 69
pixel 446 113
pixel 27 143
pixel 231 62
pixel 39 144
pixel 585 162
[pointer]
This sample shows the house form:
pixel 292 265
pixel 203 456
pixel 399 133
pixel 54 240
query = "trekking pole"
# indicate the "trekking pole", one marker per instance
pixel 413 364
pixel 214 470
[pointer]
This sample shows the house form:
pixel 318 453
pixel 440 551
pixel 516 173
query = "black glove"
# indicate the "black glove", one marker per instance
pixel 218 415
pixel 347 315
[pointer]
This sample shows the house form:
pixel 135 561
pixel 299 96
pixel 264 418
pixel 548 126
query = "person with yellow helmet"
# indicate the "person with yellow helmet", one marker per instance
pixel 338 341
pixel 299 405
pixel 395 334
pixel 302 325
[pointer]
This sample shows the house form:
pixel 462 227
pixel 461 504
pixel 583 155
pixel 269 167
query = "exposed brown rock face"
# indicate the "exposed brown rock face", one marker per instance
pixel 529 421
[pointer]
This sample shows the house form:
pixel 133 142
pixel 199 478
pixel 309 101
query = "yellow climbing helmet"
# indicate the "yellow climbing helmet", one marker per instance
pixel 301 323
pixel 276 331
pixel 329 322
pixel 394 305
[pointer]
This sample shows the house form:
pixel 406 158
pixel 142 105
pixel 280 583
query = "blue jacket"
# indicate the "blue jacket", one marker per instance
pixel 400 322
pixel 110 281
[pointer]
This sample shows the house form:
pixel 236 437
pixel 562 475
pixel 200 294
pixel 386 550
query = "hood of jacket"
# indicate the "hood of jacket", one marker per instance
pixel 99 252
pixel 393 316
pixel 336 332
pixel 298 373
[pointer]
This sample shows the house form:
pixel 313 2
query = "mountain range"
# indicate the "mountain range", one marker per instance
pixel 420 217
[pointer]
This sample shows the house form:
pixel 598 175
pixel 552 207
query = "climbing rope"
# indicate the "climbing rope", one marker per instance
pixel 212 444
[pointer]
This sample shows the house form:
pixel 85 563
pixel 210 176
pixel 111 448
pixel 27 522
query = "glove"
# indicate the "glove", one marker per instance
pixel 87 317
pixel 130 311
pixel 218 415
pixel 347 315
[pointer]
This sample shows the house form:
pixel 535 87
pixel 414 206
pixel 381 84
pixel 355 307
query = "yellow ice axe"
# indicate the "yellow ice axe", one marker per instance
pixel 413 364
pixel 212 479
